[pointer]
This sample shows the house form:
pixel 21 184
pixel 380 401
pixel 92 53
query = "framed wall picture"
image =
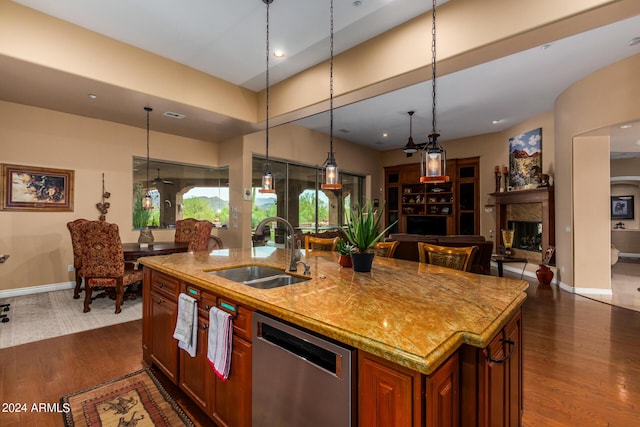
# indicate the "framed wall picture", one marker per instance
pixel 33 188
pixel 622 207
pixel 525 158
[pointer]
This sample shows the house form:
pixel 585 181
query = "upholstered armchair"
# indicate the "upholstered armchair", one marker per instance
pixel 445 256
pixel 201 236
pixel 185 230
pixel 103 263
pixel 76 244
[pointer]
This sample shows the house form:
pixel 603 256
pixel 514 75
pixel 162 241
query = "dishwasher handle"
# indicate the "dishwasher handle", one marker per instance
pixel 311 353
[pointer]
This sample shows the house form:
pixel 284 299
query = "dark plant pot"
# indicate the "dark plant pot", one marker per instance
pixel 544 275
pixel 362 262
pixel 345 261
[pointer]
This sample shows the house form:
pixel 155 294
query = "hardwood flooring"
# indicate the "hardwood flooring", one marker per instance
pixel 581 364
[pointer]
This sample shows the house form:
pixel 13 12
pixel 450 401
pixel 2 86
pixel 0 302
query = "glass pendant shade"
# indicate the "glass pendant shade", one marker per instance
pixel 267 180
pixel 331 178
pixel 433 162
pixel 147 202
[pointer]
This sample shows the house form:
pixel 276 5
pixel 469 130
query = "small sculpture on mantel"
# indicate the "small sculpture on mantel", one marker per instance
pixel 103 206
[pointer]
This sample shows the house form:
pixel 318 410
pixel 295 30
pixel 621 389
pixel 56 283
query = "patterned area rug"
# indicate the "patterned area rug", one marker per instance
pixel 51 314
pixel 137 399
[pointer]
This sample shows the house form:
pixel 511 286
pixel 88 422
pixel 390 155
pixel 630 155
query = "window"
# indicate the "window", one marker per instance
pixel 299 199
pixel 179 191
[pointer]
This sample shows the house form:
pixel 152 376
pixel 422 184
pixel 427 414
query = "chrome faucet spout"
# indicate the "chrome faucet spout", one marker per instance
pixel 295 255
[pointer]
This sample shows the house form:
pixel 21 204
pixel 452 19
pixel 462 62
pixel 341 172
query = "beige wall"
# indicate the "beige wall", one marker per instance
pixel 605 98
pixel 38 243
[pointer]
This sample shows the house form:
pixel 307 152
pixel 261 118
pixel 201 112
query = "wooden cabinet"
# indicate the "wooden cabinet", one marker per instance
pixel 492 380
pixel 160 304
pixel 228 402
pixel 443 395
pixel 444 208
pixel 388 394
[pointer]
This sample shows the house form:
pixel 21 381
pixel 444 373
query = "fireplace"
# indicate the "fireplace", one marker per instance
pixel 527 235
pixel 434 225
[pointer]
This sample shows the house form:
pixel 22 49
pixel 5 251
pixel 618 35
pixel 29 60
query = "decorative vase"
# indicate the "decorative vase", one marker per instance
pixel 345 261
pixel 507 238
pixel 362 262
pixel 146 236
pixel 544 275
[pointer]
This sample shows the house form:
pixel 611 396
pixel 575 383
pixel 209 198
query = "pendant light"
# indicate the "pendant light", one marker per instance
pixel 410 147
pixel 332 179
pixel 147 203
pixel 267 176
pixel 433 158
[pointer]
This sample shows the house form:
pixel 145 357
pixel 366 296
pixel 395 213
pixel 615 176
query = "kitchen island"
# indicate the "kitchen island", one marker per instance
pixel 433 346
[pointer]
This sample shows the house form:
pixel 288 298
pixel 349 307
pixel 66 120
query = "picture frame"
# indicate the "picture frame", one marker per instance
pixel 525 159
pixel 622 207
pixel 35 188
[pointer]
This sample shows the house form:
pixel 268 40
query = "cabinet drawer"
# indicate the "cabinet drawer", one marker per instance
pixel 206 303
pixel 165 284
pixel 241 320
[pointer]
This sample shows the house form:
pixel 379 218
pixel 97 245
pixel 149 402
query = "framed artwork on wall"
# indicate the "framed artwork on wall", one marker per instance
pixel 622 207
pixel 525 158
pixel 33 188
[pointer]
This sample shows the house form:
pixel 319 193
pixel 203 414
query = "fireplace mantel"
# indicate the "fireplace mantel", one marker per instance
pixel 543 195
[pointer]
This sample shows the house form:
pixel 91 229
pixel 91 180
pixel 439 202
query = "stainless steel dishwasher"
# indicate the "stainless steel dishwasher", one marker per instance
pixel 299 378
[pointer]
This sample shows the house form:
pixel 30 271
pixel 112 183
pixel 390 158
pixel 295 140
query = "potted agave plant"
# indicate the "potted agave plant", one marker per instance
pixel 345 249
pixel 363 223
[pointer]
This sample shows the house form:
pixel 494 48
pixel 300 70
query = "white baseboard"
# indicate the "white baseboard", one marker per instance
pixel 7 293
pixel 586 291
pixel 526 273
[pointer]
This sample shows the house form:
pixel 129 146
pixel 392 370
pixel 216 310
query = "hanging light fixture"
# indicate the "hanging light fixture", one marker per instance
pixel 267 176
pixel 147 203
pixel 332 180
pixel 410 147
pixel 433 158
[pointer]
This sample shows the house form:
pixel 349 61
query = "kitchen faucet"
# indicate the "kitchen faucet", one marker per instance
pixel 295 256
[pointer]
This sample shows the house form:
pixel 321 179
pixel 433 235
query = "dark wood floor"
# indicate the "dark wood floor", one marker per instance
pixel 581 364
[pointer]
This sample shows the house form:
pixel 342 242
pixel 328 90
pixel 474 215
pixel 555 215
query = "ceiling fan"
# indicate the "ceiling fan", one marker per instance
pixel 159 180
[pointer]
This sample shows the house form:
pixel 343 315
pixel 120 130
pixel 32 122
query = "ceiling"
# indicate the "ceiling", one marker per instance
pixel 226 38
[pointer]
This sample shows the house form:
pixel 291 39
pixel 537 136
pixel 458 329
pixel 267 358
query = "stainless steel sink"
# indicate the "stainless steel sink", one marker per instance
pixel 258 276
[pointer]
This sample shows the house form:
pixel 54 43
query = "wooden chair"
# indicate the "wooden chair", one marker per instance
pixel 103 263
pixel 76 244
pixel 215 243
pixel 185 230
pixel 451 257
pixel 201 236
pixel 319 244
pixel 386 249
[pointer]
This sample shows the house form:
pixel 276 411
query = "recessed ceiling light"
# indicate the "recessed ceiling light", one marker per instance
pixel 278 53
pixel 495 122
pixel 174 115
pixel 545 46
pixel 384 135
pixel 634 41
pixel 357 3
pixel 92 96
pixel 625 126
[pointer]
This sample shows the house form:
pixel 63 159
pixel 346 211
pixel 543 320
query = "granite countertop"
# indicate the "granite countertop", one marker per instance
pixel 410 313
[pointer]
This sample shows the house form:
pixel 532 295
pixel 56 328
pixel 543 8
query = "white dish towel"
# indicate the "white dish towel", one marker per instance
pixel 220 342
pixel 186 331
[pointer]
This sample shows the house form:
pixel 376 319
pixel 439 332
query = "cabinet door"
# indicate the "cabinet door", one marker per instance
pixel 193 381
pixel 231 400
pixel 442 397
pixel 388 395
pixel 164 348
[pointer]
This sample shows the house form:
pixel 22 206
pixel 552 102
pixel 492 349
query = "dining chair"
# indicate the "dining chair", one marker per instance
pixel 103 264
pixel 185 230
pixel 459 258
pixel 76 244
pixel 201 236
pixel 386 249
pixel 319 244
pixel 215 243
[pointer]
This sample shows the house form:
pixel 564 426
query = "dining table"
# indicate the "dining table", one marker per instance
pixel 133 251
